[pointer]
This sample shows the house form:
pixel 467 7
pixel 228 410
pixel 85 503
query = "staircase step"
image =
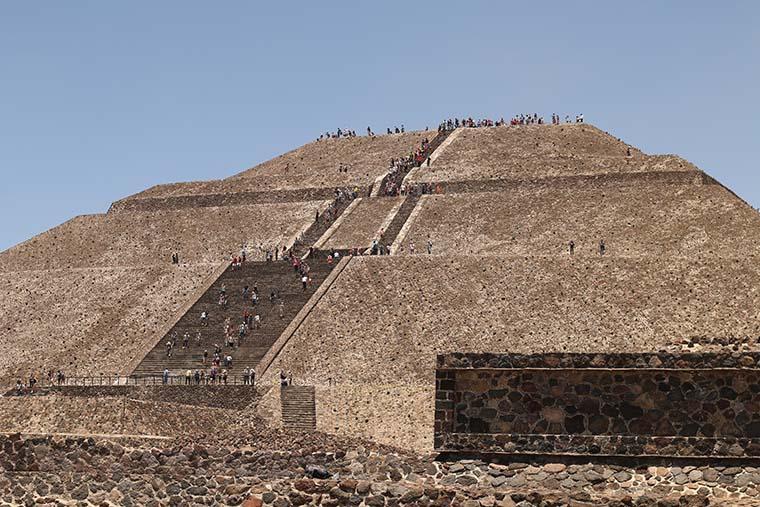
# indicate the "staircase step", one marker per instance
pixel 393 230
pixel 299 408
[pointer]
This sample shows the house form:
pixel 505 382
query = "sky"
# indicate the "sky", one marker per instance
pixel 100 100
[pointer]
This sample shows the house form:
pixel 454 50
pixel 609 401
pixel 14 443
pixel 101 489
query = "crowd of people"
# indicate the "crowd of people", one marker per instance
pixel 454 123
pixel 343 133
pixel 216 363
pixel 235 334
pixel 214 376
pixel 518 119
pixel 399 167
pixel 422 188
pixel 527 119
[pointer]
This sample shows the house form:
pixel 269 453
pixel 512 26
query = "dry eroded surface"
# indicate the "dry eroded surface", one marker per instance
pixel 87 321
pixel 388 317
pixel 634 221
pixel 200 235
pixel 314 165
pixel 107 415
pixel 543 151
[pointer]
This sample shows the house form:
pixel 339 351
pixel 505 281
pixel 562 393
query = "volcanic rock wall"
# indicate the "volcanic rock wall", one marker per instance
pixel 629 404
pixel 130 471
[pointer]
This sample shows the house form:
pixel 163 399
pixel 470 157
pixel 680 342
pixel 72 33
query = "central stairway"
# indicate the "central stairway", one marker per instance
pixel 391 233
pixel 299 410
pixel 279 276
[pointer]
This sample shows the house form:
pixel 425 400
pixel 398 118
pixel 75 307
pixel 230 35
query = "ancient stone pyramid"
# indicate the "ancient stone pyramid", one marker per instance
pixel 479 262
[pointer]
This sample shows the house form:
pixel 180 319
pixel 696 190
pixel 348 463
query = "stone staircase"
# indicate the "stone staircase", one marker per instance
pixel 398 177
pixel 279 276
pixel 299 410
pixel 319 227
pixel 438 140
pixel 390 234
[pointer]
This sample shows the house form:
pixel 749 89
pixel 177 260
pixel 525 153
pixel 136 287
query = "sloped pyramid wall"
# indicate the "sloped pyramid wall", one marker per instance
pixel 680 263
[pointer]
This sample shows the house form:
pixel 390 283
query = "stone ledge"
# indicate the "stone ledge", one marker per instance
pixel 607 445
pixel 224 199
pixel 219 396
pixel 656 404
pixel 604 179
pixel 572 361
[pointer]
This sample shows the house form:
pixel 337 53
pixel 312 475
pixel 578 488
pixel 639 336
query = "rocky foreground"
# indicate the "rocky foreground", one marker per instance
pixel 279 468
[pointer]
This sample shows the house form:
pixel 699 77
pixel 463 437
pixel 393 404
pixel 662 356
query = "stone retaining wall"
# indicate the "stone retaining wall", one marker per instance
pixel 616 404
pixel 108 416
pixel 131 472
pixel 603 179
pixel 219 396
pixel 224 199
pixel 691 221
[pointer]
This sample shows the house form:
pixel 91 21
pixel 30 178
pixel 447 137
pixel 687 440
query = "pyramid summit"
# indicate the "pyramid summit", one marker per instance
pixel 470 289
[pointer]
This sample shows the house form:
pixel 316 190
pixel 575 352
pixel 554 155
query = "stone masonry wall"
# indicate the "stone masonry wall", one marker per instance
pixel 542 151
pixel 685 406
pixel 219 396
pixel 107 415
pixel 217 193
pixel 642 220
pixel 207 235
pixel 389 316
pixel 87 321
pixel 95 471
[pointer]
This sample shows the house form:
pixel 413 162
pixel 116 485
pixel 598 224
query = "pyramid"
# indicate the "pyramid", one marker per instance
pixel 480 262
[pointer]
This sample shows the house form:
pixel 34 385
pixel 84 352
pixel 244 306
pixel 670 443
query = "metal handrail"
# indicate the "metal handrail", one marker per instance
pixel 140 380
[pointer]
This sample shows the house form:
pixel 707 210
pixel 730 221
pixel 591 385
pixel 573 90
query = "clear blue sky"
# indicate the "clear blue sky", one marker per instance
pixel 99 100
